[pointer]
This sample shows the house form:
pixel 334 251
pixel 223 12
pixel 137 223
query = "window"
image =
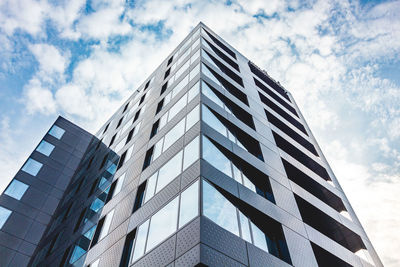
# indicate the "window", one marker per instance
pixel 229 212
pixel 107 224
pixel 220 44
pixel 169 171
pixel 227 104
pixel 139 196
pixel 238 169
pixel 179 105
pixel 142 99
pixel 188 204
pixel 45 148
pixel 160 106
pixel 269 92
pixel 56 131
pixel 217 159
pixel 231 131
pixel 217 208
pixel 126 107
pixel 170 60
pixel 172 168
pixel 119 122
pixel 4 214
pixel 105 129
pixel 82 245
pixel 120 182
pixel 191 152
pixel 16 189
pixel 127 251
pixel 211 74
pixel 140 241
pixel 112 139
pixel 172 136
pixel 125 157
pixel 260 74
pixel 32 167
pixel 227 59
pixel 165 221
pixel 300 156
pixel 219 65
pixel 167 73
pixel 154 129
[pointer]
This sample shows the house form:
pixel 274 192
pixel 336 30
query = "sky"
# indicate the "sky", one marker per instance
pixel 339 59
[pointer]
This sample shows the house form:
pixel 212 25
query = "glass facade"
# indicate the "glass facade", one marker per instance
pixel 57 132
pixel 32 167
pixel 16 189
pixel 45 148
pixel 4 214
pixel 187 166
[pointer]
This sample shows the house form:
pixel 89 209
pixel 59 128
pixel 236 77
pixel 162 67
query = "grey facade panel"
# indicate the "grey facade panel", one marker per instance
pixel 64 216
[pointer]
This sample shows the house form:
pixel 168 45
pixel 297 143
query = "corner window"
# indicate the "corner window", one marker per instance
pixel 259 229
pixel 16 189
pixel 56 131
pixel 4 214
pixel 45 148
pixel 165 221
pixel 32 167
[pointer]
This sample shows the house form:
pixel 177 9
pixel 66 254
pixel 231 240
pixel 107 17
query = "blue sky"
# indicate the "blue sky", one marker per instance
pixel 339 59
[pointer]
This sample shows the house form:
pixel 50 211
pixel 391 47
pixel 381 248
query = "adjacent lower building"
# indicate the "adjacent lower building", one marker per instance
pixel 209 163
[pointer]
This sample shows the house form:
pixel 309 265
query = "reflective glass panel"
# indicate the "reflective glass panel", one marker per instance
pixel 244 226
pixel 208 73
pixel 189 207
pixel 194 72
pixel 169 171
pixel 45 148
pixel 174 134
pixel 4 214
pixel 191 153
pixel 192 118
pixel 259 237
pixel 76 254
pixel 209 118
pixel 140 241
pixel 151 186
pixel 120 182
pixel 193 91
pixel 32 167
pixel 106 225
pixel 217 208
pixel 177 107
pixel 180 86
pixel 210 94
pixel 56 131
pixel 16 189
pixel 157 149
pixel 162 224
pixel 215 157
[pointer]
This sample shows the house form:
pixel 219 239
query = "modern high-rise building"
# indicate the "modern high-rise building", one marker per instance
pixel 208 163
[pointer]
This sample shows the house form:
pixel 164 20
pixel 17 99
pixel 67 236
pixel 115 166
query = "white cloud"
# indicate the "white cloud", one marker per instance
pixel 50 58
pixel 327 53
pixel 26 15
pixel 39 99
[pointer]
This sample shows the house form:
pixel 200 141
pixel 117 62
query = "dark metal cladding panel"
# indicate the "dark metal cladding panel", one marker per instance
pixel 190 258
pixel 213 258
pixel 260 258
pixel 188 237
pixel 220 239
pixel 162 255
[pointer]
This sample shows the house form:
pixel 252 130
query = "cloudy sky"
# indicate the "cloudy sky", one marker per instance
pixel 339 59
